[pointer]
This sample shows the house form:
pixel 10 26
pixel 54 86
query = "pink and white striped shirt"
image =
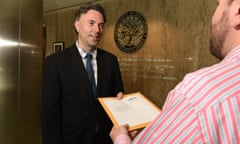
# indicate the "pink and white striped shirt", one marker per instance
pixel 203 108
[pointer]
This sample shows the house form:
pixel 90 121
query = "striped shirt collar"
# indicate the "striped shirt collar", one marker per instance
pixel 233 54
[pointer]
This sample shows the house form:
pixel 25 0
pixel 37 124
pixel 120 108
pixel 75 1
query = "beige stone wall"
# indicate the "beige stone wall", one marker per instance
pixel 177 41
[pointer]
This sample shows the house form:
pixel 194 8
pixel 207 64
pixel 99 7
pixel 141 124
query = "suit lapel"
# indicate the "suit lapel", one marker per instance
pixel 78 70
pixel 101 67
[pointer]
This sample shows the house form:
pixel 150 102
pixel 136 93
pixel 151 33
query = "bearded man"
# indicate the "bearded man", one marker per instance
pixel 205 106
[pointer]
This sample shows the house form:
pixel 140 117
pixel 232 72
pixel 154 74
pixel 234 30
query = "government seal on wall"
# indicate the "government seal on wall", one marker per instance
pixel 130 31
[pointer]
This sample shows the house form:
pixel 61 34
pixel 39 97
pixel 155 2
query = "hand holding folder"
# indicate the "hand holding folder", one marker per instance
pixel 133 109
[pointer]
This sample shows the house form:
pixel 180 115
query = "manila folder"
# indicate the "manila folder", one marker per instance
pixel 133 109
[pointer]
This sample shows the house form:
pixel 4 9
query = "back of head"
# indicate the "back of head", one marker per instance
pixel 225 28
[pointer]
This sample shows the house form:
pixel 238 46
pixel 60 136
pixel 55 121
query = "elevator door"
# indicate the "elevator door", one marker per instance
pixel 21 58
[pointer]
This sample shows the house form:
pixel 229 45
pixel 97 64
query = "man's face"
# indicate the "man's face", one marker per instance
pixel 90 29
pixel 219 29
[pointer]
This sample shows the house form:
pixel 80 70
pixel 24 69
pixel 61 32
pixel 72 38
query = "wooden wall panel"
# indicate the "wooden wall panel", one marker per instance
pixel 177 41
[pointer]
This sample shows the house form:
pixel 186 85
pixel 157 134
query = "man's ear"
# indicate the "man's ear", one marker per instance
pixel 76 26
pixel 236 17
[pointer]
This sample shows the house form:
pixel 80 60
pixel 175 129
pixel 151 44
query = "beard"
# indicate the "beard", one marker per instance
pixel 218 35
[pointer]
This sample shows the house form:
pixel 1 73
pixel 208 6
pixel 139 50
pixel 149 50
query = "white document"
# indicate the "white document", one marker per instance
pixel 134 109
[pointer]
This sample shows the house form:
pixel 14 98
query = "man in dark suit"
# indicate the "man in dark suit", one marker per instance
pixel 71 113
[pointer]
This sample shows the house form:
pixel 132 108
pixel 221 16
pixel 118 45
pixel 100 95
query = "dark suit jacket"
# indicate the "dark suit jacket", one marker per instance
pixel 69 109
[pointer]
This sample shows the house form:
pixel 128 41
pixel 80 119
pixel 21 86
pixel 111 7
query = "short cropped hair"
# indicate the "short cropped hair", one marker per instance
pixel 85 8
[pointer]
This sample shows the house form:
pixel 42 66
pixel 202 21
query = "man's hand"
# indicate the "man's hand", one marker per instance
pixel 120 95
pixel 122 130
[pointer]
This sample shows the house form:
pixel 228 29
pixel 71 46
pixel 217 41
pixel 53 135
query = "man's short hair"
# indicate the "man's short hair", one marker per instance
pixel 85 8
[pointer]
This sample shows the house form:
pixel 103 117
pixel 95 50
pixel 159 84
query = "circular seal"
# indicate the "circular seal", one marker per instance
pixel 130 31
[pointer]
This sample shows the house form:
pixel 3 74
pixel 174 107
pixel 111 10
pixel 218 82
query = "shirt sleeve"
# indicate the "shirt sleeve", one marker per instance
pixel 122 139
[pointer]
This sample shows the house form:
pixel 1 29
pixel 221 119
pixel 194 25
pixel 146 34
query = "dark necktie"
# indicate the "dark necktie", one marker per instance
pixel 90 73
